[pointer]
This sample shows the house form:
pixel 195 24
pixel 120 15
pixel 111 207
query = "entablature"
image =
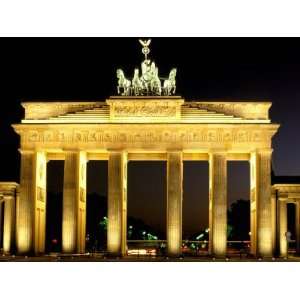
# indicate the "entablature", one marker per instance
pixel 8 190
pixel 287 192
pixel 146 136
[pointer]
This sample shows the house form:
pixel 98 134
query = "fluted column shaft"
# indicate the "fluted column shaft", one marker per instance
pixel 274 221
pixel 117 203
pixel 1 225
pixel 217 204
pixel 40 195
pixel 174 203
pixel 74 203
pixel 9 224
pixel 31 203
pixel 253 201
pixel 25 205
pixel 262 200
pixel 282 227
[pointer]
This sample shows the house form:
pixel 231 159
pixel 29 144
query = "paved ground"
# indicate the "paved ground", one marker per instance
pixel 101 258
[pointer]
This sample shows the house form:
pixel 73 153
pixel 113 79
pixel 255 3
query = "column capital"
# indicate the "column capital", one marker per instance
pixel 26 151
pixel 115 150
pixel 174 150
pixel 217 152
pixel 262 151
pixel 74 151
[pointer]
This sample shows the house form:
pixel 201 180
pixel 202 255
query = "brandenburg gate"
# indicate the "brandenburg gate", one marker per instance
pixel 126 128
pixel 146 121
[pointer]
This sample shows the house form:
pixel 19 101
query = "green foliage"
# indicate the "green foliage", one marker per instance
pixel 103 223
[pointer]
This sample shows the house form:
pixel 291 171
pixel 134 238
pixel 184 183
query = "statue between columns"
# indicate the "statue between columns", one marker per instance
pixel 149 83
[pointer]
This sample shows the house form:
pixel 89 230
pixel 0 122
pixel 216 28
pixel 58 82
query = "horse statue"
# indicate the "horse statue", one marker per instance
pixel 170 83
pixel 137 85
pixel 123 83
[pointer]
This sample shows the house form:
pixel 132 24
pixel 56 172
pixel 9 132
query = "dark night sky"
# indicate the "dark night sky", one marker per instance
pixel 208 69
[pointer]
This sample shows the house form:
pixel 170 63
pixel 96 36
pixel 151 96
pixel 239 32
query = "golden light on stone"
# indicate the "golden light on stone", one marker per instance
pixel 74 203
pixel 8 228
pixel 218 203
pixel 8 192
pixel 262 177
pixel 141 128
pixel 117 203
pixel 174 202
pixel 40 171
pixel 286 193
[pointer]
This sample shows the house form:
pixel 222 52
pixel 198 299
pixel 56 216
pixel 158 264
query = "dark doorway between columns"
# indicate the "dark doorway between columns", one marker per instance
pixel 96 206
pixel 55 179
pixel 146 207
pixel 238 197
pixel 195 212
pixel 291 225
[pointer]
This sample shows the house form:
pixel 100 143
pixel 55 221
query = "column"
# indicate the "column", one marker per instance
pixel 31 204
pixel 74 202
pixel 9 224
pixel 174 203
pixel 282 227
pixel 217 204
pixel 261 220
pixel 274 208
pixel 40 195
pixel 1 226
pixel 25 205
pixel 117 203
pixel 253 215
pixel 297 221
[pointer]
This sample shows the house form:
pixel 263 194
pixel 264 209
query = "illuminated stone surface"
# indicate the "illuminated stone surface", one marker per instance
pixel 74 203
pixel 174 202
pixel 25 207
pixel 8 194
pixel 40 201
pixel 282 228
pixel 117 203
pixel 143 128
pixel 1 226
pixel 286 193
pixel 218 204
pixel 262 193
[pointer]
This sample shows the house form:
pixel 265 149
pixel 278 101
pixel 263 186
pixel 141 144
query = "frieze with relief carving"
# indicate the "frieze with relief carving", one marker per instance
pixel 148 136
pixel 124 109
